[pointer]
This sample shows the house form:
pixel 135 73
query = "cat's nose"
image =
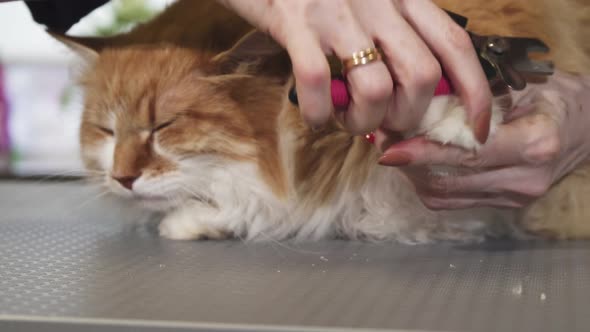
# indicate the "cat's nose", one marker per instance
pixel 126 181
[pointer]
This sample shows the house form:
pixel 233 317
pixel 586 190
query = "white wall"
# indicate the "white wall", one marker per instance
pixel 23 40
pixel 43 131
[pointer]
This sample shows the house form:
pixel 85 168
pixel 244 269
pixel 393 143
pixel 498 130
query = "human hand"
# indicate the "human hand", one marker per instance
pixel 544 137
pixel 391 95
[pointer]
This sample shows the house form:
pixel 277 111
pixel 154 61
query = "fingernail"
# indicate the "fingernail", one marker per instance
pixel 481 126
pixel 396 158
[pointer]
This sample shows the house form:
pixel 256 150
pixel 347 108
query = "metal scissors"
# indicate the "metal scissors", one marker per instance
pixel 504 59
pixel 509 59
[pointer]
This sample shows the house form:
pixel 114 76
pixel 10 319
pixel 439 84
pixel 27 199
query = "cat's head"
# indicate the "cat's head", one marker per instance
pixel 159 119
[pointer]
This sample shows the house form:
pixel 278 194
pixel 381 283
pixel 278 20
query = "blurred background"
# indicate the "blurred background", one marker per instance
pixel 40 106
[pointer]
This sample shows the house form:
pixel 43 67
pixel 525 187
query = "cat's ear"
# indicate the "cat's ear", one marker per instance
pixel 252 53
pixel 87 48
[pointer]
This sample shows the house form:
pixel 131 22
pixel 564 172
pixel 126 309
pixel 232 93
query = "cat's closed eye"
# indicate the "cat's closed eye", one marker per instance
pixel 162 126
pixel 105 130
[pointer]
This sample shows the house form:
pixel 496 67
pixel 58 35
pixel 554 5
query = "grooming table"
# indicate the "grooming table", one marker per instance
pixel 72 262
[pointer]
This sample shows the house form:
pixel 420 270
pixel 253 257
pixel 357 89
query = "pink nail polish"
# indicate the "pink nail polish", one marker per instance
pixel 481 126
pixel 396 158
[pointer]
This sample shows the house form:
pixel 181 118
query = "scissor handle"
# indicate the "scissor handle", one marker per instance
pixel 341 97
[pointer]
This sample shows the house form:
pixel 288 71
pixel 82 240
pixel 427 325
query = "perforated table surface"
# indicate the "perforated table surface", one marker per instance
pixel 73 262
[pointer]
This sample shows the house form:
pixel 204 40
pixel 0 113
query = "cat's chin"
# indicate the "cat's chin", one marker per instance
pixel 164 204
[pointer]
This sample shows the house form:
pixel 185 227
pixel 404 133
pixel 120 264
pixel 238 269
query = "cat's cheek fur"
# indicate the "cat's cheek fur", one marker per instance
pixel 103 153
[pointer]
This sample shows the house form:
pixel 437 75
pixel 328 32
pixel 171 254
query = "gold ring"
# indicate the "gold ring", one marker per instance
pixel 361 57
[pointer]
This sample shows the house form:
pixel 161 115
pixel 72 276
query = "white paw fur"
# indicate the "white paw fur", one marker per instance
pixel 445 122
pixel 189 223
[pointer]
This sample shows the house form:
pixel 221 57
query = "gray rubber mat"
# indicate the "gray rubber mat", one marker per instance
pixel 70 261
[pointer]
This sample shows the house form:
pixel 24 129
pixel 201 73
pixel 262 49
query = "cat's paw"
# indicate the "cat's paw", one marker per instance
pixel 184 225
pixel 446 122
pixel 181 231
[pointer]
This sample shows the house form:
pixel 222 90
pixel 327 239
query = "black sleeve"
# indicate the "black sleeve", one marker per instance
pixel 460 20
pixel 60 15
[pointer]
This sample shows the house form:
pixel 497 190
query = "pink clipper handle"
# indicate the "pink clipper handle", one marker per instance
pixel 341 98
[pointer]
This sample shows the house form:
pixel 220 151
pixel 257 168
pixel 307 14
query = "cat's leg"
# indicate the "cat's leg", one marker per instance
pixel 194 221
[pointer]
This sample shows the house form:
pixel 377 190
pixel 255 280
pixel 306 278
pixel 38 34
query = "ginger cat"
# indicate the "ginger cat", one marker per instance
pixel 188 114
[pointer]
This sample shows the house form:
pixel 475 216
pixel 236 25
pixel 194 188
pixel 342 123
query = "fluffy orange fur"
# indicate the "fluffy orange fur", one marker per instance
pixel 233 103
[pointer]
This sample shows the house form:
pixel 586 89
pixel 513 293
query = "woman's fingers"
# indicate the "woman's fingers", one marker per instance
pixel 520 181
pixel 453 47
pixel 407 32
pixel 287 22
pixel 471 189
pixel 415 70
pixel 370 85
pixel 471 201
pixel 312 78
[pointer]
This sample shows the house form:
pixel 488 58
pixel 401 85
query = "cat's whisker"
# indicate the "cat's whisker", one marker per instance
pixel 92 199
pixel 194 194
pixel 95 171
pixel 41 187
pixel 285 246
pixel 168 198
pixel 98 182
pixel 65 213
pixel 173 200
pixel 76 173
